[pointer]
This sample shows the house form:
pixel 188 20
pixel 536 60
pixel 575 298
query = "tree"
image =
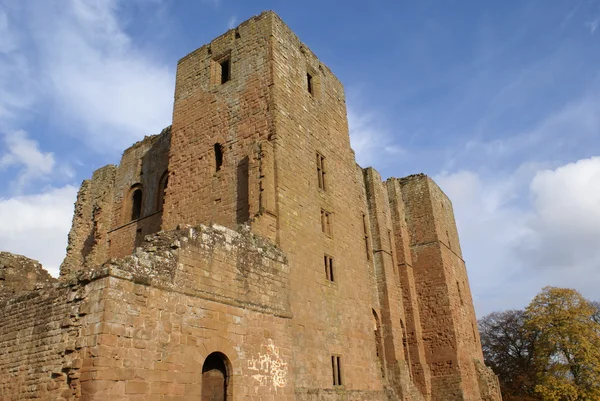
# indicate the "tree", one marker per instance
pixel 596 317
pixel 508 348
pixel 567 345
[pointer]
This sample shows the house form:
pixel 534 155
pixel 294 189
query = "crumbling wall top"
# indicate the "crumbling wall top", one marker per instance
pixel 19 275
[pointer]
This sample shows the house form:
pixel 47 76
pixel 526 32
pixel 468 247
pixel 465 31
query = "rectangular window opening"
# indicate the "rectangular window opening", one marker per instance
pixel 225 70
pixel 218 148
pixel 328 262
pixel 326 222
pixel 321 171
pixel 460 294
pixel 309 83
pixel 337 370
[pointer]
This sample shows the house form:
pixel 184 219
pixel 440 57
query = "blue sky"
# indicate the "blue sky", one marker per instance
pixel 498 101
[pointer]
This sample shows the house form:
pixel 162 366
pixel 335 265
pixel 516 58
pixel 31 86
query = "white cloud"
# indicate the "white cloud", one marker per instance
pixel 37 225
pixel 103 89
pixel 24 153
pixel 533 228
pixel 567 205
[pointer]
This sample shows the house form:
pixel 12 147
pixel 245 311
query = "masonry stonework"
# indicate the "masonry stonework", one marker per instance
pixel 242 254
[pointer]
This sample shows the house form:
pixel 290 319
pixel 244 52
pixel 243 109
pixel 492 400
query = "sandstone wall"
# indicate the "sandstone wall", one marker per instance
pixel 445 304
pixel 19 274
pixel 103 226
pixel 43 340
pixel 143 166
pixel 331 318
pixel 182 296
pixel 229 118
pixel 88 237
pixel 141 328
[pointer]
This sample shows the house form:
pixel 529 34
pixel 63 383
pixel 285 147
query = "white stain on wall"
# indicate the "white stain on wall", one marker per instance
pixel 268 367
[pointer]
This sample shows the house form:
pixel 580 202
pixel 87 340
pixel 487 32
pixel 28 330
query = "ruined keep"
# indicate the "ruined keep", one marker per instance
pixel 242 254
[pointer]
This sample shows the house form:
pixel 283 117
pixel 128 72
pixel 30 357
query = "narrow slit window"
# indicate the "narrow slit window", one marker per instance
pixel 392 254
pixel 336 370
pixel 321 171
pixel 326 222
pixel 328 262
pixel 460 294
pixel 309 84
pixel 366 236
pixel 136 204
pixel 225 70
pixel 218 156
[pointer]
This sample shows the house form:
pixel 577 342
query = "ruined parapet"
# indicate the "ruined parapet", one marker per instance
pixel 489 385
pixel 233 267
pixel 87 245
pixel 108 221
pixel 19 275
pixel 140 183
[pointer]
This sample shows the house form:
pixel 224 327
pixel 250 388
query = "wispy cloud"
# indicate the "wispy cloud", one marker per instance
pixel 592 25
pixel 371 139
pixel 232 22
pixel 103 89
pixel 213 3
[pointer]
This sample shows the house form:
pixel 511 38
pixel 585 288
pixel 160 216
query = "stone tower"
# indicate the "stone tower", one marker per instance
pixel 336 286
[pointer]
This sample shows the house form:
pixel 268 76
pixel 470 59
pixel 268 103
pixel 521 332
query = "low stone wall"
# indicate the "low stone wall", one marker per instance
pixel 143 326
pixel 42 338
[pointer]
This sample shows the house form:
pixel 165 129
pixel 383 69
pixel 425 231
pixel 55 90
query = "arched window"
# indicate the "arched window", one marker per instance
pixel 136 202
pixel 218 156
pixel 161 191
pixel 215 378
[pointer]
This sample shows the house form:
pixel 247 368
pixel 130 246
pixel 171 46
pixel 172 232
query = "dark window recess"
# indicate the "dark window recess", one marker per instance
pixel 225 70
pixel 162 190
pixel 462 303
pixel 326 222
pixel 328 261
pixel 136 204
pixel 378 343
pixel 336 367
pixel 218 156
pixel 309 83
pixel 366 236
pixel 215 378
pixel 321 170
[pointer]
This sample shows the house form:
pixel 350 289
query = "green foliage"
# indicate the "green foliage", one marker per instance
pixel 550 351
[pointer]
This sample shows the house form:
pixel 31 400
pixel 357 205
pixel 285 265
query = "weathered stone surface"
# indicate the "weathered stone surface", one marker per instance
pixel 242 254
pixel 19 274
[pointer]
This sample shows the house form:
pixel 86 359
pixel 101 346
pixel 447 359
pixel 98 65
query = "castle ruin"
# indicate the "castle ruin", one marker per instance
pixel 242 254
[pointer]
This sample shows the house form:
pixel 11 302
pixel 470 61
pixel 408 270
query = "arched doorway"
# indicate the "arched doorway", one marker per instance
pixel 215 378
